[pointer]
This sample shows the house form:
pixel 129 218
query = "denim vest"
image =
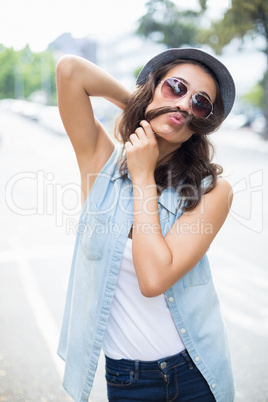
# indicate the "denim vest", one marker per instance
pixel 103 229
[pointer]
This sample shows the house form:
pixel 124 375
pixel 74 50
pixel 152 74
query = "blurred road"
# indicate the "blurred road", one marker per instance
pixel 39 208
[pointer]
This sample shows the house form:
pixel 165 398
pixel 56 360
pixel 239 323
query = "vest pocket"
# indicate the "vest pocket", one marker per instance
pixel 199 275
pixel 94 230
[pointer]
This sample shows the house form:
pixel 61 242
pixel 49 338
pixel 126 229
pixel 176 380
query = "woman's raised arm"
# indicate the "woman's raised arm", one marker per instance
pixel 77 80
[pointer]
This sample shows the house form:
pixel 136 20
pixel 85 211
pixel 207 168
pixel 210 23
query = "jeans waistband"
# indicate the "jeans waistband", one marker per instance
pixel 164 364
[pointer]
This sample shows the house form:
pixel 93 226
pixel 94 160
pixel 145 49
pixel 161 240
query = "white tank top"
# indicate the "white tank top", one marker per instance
pixel 139 328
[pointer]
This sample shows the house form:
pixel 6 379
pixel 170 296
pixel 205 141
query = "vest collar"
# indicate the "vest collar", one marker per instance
pixel 169 198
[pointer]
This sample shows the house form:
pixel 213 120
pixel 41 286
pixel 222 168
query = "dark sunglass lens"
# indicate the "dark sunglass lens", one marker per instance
pixel 173 89
pixel 201 106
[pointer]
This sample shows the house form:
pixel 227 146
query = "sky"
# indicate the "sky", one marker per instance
pixel 38 23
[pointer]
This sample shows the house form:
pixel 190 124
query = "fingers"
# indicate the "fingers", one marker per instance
pixel 142 151
pixel 144 132
pixel 138 136
pixel 143 135
pixel 147 129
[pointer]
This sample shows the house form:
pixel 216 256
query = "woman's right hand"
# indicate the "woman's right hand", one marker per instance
pixel 142 154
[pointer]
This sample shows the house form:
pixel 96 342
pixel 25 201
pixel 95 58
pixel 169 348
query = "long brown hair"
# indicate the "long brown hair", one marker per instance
pixel 184 168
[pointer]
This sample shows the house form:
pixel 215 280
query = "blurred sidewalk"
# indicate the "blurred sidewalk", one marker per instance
pixel 48 116
pixel 242 138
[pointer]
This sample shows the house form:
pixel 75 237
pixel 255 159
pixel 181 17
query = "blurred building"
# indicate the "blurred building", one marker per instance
pixel 66 44
pixel 122 56
pixel 125 55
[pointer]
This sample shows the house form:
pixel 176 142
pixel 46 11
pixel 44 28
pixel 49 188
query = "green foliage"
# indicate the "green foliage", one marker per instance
pixel 255 97
pixel 166 24
pixel 137 71
pixel 244 17
pixel 24 72
pixel 7 79
pixel 203 5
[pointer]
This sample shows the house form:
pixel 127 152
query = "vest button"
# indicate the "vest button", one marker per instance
pixel 163 365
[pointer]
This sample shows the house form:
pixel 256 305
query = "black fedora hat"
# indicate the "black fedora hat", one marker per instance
pixel 223 76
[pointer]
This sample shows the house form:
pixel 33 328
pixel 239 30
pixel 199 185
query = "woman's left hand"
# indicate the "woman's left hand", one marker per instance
pixel 142 154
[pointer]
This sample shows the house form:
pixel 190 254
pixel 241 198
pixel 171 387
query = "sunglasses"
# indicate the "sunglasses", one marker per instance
pixel 173 89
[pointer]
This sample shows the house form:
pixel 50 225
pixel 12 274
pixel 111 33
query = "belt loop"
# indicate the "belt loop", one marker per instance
pixel 188 359
pixel 136 369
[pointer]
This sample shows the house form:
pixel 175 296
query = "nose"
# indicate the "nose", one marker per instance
pixel 184 103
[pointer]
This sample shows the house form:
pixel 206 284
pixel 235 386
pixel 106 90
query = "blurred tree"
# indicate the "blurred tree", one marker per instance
pixel 24 72
pixel 255 96
pixel 244 19
pixel 8 63
pixel 165 23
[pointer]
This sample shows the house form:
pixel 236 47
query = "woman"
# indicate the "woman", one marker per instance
pixel 140 284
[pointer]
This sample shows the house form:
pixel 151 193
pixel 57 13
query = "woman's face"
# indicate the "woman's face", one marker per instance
pixel 171 128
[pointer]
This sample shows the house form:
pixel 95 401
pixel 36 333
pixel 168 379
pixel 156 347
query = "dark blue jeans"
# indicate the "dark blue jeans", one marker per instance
pixel 174 378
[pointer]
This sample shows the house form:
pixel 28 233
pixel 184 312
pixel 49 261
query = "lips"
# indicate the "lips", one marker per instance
pixel 176 119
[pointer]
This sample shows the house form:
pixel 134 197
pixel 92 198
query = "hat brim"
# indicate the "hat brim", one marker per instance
pixel 222 74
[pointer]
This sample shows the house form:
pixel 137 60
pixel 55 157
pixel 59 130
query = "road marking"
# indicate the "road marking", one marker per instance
pixel 43 317
pixel 37 302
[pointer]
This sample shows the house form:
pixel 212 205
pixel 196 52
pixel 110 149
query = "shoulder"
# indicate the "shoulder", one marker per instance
pixel 223 189
pixel 218 201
